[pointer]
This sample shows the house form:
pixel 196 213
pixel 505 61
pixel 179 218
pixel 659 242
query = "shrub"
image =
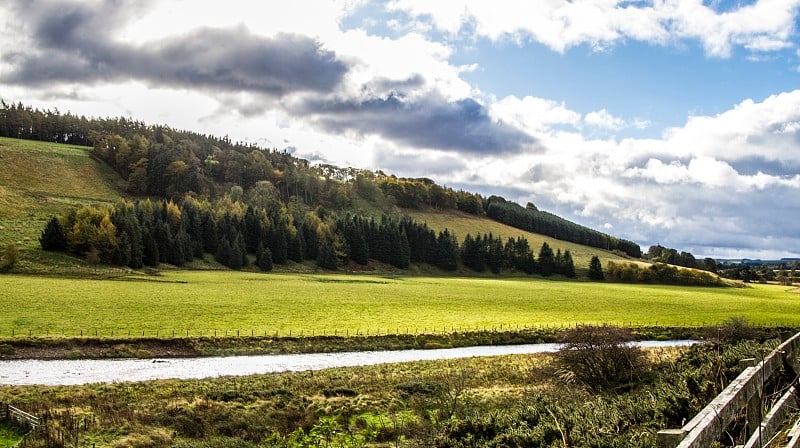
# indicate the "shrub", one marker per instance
pixel 601 357
pixel 9 258
pixel 735 330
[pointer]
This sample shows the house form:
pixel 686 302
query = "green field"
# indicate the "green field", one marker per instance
pixel 204 301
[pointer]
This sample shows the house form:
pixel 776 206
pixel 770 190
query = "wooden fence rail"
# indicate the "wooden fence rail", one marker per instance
pixel 743 392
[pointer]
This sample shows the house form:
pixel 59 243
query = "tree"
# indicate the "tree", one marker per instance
pixel 53 237
pixel 264 258
pixel 327 256
pixel 447 254
pixel 568 269
pixel 546 260
pixel 595 269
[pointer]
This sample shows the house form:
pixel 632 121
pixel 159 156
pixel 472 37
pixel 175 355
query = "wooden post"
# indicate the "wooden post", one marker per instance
pixel 753 406
pixel 670 438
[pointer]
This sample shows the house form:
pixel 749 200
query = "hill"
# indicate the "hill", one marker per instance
pixel 463 223
pixel 43 179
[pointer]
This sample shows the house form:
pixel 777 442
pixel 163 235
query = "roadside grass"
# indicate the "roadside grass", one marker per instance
pixel 463 223
pixel 202 302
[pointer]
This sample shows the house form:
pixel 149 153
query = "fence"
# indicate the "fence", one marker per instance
pixel 28 422
pixel 167 333
pixel 744 392
pixel 53 428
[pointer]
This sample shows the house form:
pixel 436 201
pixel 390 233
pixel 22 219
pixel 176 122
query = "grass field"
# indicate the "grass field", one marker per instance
pixel 204 301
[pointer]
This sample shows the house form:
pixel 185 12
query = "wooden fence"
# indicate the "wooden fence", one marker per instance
pixel 744 392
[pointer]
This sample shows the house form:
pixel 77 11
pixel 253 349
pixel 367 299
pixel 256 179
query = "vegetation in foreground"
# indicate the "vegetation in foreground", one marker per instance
pixel 10 435
pixel 511 401
pixel 202 302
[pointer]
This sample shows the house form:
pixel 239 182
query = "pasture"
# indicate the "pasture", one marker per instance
pixel 205 302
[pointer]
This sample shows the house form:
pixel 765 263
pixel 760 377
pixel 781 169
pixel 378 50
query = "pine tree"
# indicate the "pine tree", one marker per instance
pixel 53 236
pixel 223 255
pixel 122 252
pixel 264 258
pixel 569 265
pixel 279 244
pixel 546 260
pixel 596 269
pixel 295 250
pixel 471 254
pixel 327 256
pixel 447 253
pixel 150 255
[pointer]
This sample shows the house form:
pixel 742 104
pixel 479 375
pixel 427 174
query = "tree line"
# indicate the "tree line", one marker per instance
pixel 534 220
pixel 661 254
pixel 146 233
pixel 659 273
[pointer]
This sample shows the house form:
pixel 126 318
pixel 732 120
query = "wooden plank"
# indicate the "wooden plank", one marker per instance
pixel 711 422
pixel 773 420
pixel 23 417
pixel 794 436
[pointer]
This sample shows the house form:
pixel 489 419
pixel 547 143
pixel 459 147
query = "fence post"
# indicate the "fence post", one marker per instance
pixel 670 438
pixel 753 406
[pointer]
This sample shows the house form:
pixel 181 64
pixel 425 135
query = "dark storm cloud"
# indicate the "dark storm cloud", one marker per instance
pixel 74 44
pixel 432 122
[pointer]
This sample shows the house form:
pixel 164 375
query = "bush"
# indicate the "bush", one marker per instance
pixel 601 357
pixel 9 258
pixel 735 330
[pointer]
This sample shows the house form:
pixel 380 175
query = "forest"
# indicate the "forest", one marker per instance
pixel 160 162
pixel 147 233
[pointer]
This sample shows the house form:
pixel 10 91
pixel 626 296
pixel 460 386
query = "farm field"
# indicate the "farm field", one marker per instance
pixel 202 302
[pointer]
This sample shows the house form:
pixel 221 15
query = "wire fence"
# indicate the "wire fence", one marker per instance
pixel 262 332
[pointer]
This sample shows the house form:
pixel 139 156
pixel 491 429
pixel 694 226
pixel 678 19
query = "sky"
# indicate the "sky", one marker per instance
pixel 672 122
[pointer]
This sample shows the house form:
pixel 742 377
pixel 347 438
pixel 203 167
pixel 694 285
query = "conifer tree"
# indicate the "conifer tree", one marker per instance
pixel 596 269
pixel 53 237
pixel 546 260
pixel 264 258
pixel 447 253
pixel 327 256
pixel 569 265
pixel 150 255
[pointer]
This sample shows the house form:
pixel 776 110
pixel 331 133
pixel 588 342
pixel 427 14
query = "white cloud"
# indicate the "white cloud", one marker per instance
pixel 766 25
pixel 534 114
pixel 604 120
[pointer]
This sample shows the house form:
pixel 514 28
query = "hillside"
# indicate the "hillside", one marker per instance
pixel 42 179
pixel 463 223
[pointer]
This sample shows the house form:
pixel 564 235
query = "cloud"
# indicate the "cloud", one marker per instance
pixel 74 46
pixel 604 120
pixel 536 114
pixel 431 122
pixel 688 189
pixel 766 25
pixel 417 163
